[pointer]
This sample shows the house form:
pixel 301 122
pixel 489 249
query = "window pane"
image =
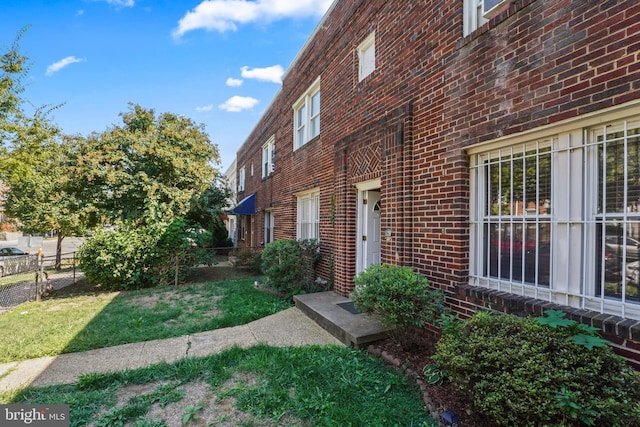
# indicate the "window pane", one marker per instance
pixel 519 192
pixel 309 217
pixel 315 104
pixel 618 155
pixel 619 261
pixel 495 198
pixel 633 171
pixel 618 233
pixel 520 252
pixel 315 116
pixel 520 184
pixel 611 163
pixel 301 119
pixel 538 182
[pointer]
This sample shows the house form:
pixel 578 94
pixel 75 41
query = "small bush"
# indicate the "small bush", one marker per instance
pixel 290 266
pixel 248 259
pixel 399 298
pixel 520 372
pixel 283 265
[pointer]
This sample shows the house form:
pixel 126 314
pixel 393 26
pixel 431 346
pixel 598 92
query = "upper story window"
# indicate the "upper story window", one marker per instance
pixel 473 14
pixel 306 116
pixel 267 157
pixel 241 179
pixel 558 218
pixel 367 56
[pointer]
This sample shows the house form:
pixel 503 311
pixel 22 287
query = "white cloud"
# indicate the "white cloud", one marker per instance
pixel 225 15
pixel 234 82
pixel 121 3
pixel 235 104
pixel 268 74
pixel 57 66
pixel 205 108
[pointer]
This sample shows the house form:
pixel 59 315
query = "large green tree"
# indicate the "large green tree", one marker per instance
pixel 34 159
pixel 151 167
pixel 42 194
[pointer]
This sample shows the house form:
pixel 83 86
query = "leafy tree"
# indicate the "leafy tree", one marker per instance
pixel 42 192
pixel 13 68
pixel 149 168
pixel 207 209
pixel 34 161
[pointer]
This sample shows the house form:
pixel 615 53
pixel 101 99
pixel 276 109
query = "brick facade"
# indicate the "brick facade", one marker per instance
pixel 432 94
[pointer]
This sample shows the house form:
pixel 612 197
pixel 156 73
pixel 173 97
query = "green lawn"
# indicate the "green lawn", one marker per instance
pixel 85 322
pixel 259 386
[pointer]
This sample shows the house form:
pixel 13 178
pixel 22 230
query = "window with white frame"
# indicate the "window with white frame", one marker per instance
pixel 558 218
pixel 241 179
pixel 308 218
pixel 306 116
pixel 267 157
pixel 269 224
pixel 472 18
pixel 242 229
pixel 367 56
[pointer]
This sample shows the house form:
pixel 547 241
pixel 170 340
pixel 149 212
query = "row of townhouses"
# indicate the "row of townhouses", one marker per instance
pixel 493 146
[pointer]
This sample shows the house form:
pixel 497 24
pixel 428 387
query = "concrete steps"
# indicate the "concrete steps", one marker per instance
pixel 338 316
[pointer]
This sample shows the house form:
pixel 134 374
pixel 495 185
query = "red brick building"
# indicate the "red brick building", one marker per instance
pixel 498 156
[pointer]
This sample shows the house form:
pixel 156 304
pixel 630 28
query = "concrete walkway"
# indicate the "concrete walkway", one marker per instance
pixel 286 328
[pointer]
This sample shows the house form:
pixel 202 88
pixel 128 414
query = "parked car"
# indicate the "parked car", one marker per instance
pixel 616 245
pixel 14 261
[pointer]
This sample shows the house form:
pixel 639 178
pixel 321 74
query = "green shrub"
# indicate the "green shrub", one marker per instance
pixel 521 372
pixel 283 265
pixel 134 257
pixel 249 259
pixel 399 298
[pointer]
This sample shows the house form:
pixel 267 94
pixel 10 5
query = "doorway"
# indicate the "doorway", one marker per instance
pixel 368 238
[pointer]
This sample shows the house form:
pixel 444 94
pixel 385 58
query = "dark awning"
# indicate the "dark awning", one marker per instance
pixel 247 206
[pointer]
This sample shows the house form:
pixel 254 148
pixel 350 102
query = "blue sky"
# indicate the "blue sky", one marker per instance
pixel 218 62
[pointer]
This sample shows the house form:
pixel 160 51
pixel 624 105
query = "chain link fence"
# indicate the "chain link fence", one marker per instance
pixel 31 277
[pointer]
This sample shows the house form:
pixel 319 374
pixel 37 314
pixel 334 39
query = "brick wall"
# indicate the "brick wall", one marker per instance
pixel 433 93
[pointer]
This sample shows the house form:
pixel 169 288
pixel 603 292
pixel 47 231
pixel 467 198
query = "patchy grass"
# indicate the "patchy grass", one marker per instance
pixel 259 386
pixel 82 322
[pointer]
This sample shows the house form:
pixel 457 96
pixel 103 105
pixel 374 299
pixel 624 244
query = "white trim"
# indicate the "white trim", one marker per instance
pixel 363 188
pixel 472 18
pixel 268 149
pixel 311 196
pixel 367 56
pixel 302 125
pixel 369 185
pixel 242 177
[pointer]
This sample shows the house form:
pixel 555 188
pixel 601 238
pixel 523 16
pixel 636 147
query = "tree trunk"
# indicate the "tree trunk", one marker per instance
pixel 59 250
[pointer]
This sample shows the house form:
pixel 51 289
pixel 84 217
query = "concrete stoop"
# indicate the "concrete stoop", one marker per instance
pixel 338 316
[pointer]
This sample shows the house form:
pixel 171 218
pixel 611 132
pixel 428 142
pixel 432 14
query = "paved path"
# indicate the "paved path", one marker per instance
pixel 286 328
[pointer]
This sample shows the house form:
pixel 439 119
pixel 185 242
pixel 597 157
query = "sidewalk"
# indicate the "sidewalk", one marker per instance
pixel 286 328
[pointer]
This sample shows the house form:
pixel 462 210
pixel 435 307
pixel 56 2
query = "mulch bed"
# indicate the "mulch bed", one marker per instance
pixel 438 398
